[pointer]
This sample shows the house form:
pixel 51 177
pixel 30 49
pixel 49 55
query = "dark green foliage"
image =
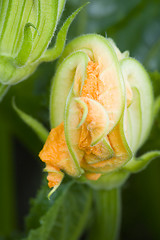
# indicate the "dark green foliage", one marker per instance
pixel 61 218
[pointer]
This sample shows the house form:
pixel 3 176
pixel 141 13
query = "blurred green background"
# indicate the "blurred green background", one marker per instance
pixel 135 26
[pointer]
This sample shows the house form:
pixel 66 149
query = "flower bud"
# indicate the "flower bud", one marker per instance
pixel 26 29
pixel 101 113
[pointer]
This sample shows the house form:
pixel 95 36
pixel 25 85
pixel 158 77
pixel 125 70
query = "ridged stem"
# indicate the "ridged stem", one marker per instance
pixel 107 215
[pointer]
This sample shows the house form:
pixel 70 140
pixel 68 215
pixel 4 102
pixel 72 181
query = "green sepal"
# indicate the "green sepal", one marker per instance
pixel 38 128
pixel 138 164
pixel 107 181
pixel 26 47
pixel 54 52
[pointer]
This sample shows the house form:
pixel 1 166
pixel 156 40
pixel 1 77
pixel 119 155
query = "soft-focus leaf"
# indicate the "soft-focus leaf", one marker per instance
pixel 69 205
pixel 47 222
pixel 44 213
pixel 39 206
pixel 73 215
pixel 139 164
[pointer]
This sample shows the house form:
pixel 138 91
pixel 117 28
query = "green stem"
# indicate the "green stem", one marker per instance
pixel 108 213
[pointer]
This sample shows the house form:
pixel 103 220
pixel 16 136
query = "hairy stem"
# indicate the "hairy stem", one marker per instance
pixel 108 213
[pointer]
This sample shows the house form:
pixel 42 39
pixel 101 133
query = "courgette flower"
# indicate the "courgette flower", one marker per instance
pixel 26 29
pixel 101 113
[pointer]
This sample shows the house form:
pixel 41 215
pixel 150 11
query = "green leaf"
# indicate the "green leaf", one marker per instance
pixel 47 221
pixel 38 128
pixel 139 164
pixel 71 205
pixel 73 215
pixel 39 206
pixel 53 53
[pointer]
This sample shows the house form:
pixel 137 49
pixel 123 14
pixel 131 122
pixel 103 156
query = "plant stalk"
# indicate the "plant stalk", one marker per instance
pixel 107 215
